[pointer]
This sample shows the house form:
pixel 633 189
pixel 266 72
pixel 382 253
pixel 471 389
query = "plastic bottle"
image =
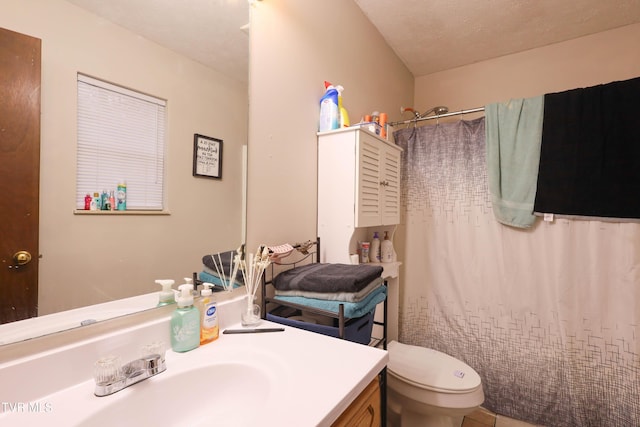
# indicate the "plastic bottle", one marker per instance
pixel 112 201
pixel 121 196
pixel 383 125
pixel 209 329
pixel 96 204
pixel 344 116
pixel 364 252
pixel 374 250
pixel 166 296
pixel 329 110
pixel 87 202
pixel 185 322
pixel 386 249
pixel 375 119
pixel 104 199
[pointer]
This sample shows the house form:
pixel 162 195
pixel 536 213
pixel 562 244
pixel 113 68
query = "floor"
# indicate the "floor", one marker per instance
pixel 485 418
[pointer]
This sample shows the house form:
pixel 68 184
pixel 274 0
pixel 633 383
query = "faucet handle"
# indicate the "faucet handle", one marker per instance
pixel 154 347
pixel 107 370
pixel 154 364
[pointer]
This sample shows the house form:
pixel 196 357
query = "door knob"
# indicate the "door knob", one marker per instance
pixel 22 257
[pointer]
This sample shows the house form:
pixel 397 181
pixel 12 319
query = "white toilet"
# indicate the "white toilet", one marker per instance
pixel 428 388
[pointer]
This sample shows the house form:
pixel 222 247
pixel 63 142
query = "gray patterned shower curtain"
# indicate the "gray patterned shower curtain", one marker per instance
pixel 547 316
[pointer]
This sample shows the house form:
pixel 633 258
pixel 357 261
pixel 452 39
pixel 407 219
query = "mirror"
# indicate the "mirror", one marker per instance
pixel 100 264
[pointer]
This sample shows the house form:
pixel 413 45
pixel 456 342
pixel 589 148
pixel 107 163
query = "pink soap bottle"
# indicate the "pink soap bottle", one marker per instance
pixel 112 201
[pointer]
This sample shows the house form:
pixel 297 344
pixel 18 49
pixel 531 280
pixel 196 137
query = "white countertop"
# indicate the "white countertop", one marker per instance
pixel 317 378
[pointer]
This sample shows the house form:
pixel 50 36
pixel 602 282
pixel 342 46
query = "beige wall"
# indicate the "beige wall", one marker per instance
pixel 83 257
pixel 586 61
pixel 295 46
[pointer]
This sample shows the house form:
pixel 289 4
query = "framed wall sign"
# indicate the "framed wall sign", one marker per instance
pixel 207 156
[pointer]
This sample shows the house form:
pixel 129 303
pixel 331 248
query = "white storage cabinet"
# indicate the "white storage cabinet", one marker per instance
pixel 358 187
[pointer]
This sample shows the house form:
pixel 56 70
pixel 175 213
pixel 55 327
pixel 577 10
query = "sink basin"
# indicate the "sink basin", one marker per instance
pixel 289 378
pixel 224 394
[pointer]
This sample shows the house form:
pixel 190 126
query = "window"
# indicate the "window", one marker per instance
pixel 121 138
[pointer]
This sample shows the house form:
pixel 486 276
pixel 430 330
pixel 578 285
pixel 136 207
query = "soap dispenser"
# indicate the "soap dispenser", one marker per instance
pixel 185 322
pixel 209 329
pixel 166 296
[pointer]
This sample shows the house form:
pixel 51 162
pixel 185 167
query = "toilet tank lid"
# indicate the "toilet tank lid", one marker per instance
pixel 431 369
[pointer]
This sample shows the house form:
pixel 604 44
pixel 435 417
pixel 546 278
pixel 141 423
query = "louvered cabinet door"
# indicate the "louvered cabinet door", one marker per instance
pixel 378 182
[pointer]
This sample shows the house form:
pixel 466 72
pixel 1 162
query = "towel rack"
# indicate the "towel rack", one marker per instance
pixel 312 255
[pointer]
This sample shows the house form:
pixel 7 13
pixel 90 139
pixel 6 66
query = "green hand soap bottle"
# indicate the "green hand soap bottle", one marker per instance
pixel 185 322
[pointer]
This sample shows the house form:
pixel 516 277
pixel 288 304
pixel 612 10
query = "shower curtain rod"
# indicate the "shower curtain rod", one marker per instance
pixel 454 113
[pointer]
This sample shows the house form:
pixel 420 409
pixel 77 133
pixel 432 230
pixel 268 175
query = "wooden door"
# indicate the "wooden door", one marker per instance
pixel 19 174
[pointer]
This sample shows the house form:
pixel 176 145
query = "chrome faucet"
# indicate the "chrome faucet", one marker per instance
pixel 110 377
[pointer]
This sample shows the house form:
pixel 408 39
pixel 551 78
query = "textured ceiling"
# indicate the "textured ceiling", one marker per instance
pixel 436 35
pixel 427 35
pixel 208 31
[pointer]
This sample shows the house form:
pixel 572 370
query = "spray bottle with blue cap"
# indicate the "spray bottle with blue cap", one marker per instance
pixel 329 109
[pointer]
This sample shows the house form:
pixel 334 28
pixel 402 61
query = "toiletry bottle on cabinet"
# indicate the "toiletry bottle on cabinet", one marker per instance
pixel 209 329
pixel 386 249
pixel 185 322
pixel 329 110
pixel 374 251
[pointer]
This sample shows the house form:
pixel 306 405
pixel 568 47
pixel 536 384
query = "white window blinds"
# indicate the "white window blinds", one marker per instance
pixel 121 138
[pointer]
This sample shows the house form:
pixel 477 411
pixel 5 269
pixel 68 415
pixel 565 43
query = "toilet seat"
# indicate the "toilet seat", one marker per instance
pixel 430 369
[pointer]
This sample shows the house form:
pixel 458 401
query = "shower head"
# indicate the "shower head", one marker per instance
pixel 439 110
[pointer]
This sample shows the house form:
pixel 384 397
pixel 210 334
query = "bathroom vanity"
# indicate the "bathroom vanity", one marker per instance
pixel 289 378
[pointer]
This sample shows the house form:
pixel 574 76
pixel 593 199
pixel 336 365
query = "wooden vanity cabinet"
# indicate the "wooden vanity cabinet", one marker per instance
pixel 365 410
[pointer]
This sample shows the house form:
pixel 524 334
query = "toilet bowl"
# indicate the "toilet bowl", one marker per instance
pixel 428 388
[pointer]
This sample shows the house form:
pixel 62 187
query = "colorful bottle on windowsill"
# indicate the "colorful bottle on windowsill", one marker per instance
pixel 122 196
pixel 104 197
pixel 112 201
pixel 96 203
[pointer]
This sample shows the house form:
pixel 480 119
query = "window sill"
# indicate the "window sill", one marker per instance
pixel 130 212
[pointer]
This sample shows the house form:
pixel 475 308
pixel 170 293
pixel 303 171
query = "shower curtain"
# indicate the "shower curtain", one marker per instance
pixel 547 316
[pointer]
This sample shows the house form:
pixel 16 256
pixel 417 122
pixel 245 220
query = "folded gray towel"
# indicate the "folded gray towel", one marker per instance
pixel 227 264
pixel 335 296
pixel 327 277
